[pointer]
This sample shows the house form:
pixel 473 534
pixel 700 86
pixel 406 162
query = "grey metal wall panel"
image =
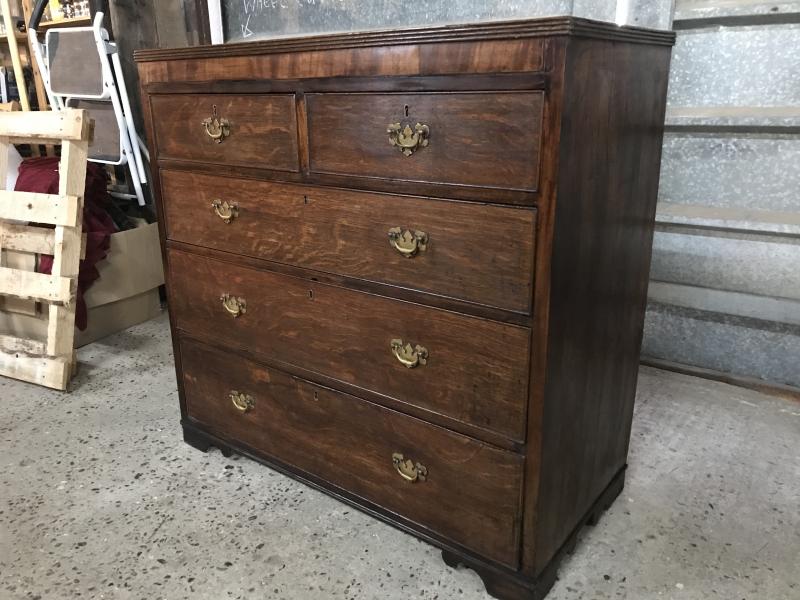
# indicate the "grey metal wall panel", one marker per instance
pixel 755 267
pixel 748 171
pixel 748 347
pixel 736 66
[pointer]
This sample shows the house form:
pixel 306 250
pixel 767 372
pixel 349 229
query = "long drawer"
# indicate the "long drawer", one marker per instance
pixel 237 130
pixel 470 369
pixel 484 139
pixel 447 483
pixel 474 252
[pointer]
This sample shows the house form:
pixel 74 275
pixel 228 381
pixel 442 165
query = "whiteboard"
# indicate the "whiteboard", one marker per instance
pixel 249 20
pixel 246 20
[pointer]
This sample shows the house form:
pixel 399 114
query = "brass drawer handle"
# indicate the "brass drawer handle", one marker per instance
pixel 408 469
pixel 216 128
pixel 409 356
pixel 226 212
pixel 408 140
pixel 407 242
pixel 235 306
pixel 242 402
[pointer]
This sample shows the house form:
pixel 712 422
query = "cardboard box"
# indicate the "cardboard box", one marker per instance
pixel 127 292
pixel 125 295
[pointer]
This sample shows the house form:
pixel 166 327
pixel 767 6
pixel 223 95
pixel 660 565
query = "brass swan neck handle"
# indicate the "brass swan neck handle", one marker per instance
pixel 408 243
pixel 406 139
pixel 408 469
pixel 242 402
pixel 225 211
pixel 217 128
pixel 236 307
pixel 409 356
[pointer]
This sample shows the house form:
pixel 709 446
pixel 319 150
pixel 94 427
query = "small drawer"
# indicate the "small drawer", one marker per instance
pixel 470 369
pixel 237 130
pixel 479 253
pixel 485 139
pixel 444 482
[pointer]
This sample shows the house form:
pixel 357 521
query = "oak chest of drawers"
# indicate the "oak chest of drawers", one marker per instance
pixel 410 269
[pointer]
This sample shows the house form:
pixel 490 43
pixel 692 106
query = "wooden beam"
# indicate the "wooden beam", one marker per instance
pixel 52 372
pixel 4 148
pixel 70 124
pixel 66 258
pixel 26 238
pixel 13 49
pixel 49 209
pixel 54 289
pixel 24 359
pixel 41 94
pixel 32 239
pixel 27 262
pixel 14 345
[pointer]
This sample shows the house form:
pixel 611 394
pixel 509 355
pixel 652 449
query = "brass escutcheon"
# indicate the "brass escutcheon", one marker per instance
pixel 226 212
pixel 406 139
pixel 407 242
pixel 243 402
pixel 408 469
pixel 235 306
pixel 216 128
pixel 408 355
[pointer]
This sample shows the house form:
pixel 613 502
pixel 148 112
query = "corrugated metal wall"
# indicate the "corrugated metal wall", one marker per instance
pixel 725 280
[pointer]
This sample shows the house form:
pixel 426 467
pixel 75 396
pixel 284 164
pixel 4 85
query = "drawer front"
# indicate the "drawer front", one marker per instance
pixel 250 131
pixel 473 252
pixel 469 138
pixel 470 494
pixel 473 370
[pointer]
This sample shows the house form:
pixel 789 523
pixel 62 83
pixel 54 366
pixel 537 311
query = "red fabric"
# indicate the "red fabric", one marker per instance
pixel 41 175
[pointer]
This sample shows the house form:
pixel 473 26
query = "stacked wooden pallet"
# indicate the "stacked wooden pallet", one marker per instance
pixel 47 362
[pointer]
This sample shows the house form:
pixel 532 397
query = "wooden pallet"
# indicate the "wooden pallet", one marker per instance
pixel 50 363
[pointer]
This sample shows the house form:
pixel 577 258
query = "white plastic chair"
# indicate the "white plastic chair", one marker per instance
pixel 77 73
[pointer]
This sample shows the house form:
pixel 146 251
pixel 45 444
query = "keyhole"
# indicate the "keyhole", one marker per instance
pixel 316 395
pixel 305 199
pixel 311 294
pixel 405 110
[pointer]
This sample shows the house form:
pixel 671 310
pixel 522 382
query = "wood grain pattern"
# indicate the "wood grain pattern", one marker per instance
pixel 557 124
pixel 367 184
pixel 48 371
pixel 350 442
pixel 49 209
pixel 45 126
pixel 478 139
pixel 490 56
pixel 540 321
pixel 36 286
pixel 473 32
pixel 451 82
pixel 401 60
pixel 476 371
pixel 500 82
pixel 263 129
pixel 28 238
pixel 54 366
pixel 610 154
pixel 478 253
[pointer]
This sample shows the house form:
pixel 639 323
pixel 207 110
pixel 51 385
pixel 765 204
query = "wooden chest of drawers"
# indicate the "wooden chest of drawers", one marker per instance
pixel 410 269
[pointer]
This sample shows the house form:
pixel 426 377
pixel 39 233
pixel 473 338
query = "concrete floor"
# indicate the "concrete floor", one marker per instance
pixel 100 498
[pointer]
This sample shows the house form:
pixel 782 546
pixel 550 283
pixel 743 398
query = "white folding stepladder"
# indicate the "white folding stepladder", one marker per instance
pixel 49 362
pixel 81 68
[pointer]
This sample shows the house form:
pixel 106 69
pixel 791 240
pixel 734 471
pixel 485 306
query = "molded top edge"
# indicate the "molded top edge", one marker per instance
pixel 551 26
